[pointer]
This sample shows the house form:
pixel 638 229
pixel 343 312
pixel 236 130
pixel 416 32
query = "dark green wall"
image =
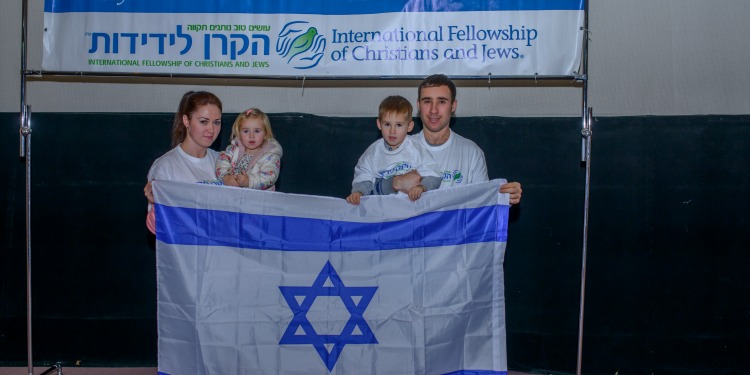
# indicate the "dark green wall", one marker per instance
pixel 668 236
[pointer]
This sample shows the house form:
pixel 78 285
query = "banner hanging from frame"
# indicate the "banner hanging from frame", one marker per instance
pixel 332 38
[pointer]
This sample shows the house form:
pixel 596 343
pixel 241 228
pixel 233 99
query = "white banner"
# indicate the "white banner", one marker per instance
pixel 315 38
pixel 258 282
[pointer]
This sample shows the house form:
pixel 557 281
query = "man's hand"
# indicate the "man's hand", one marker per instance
pixel 405 182
pixel 515 191
pixel 353 198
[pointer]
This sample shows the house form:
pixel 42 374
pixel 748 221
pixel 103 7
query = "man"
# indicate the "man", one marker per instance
pixel 460 159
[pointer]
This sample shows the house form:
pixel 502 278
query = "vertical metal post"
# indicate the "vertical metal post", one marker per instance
pixel 26 135
pixel 24 16
pixel 586 117
pixel 25 152
pixel 586 132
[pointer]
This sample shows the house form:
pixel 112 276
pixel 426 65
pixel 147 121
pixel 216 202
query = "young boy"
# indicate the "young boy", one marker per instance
pixel 395 154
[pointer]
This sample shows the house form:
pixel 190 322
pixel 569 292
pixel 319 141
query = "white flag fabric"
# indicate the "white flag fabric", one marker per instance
pixel 259 282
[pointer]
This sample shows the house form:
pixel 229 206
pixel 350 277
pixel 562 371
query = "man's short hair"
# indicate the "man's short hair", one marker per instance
pixel 395 104
pixel 437 80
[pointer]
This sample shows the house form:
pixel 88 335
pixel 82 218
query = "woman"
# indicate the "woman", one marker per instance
pixel 196 126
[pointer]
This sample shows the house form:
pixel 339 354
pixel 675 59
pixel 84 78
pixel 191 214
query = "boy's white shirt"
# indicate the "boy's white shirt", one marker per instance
pixel 379 162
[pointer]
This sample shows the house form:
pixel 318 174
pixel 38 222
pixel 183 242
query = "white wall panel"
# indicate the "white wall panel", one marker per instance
pixel 667 57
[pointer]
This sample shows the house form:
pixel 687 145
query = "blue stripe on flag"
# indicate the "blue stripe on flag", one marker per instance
pixel 329 7
pixel 190 226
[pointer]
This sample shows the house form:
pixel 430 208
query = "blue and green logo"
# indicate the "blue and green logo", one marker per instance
pixel 300 45
pixel 457 176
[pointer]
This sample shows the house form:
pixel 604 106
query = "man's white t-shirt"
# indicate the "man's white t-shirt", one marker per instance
pixel 460 160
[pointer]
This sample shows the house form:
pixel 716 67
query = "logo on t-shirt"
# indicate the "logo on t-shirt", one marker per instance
pixel 457 176
pixel 395 169
pixel 453 177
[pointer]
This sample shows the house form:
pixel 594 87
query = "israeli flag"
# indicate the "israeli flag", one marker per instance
pixel 258 282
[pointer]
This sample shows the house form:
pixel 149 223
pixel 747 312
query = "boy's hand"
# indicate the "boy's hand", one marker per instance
pixel 230 180
pixel 353 198
pixel 416 192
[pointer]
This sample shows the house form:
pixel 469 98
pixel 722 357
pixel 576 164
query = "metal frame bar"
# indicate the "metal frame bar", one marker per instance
pixel 45 75
pixel 586 133
pixel 25 152
pixel 39 75
pixel 586 117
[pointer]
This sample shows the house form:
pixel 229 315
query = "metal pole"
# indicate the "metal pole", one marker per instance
pixel 24 16
pixel 26 133
pixel 25 152
pixel 586 117
pixel 587 134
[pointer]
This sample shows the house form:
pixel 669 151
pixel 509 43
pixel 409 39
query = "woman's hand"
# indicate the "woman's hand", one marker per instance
pixel 148 192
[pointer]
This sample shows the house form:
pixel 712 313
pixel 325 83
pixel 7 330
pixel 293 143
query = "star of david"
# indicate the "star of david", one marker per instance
pixel 301 331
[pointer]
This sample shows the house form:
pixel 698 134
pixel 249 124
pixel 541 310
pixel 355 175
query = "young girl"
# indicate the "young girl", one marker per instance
pixel 253 157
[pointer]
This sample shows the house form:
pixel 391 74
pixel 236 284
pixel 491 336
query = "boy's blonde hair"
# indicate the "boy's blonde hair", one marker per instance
pixel 252 113
pixel 395 104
